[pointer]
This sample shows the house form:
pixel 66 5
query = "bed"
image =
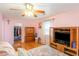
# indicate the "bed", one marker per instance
pixel 43 50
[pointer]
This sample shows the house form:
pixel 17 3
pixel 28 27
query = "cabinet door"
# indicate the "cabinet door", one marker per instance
pixel 73 37
pixel 60 47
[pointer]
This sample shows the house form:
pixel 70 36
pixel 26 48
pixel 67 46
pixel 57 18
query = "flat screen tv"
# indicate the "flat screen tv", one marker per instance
pixel 62 38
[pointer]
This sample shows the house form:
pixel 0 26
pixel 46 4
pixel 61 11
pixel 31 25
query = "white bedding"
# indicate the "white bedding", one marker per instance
pixel 46 50
pixel 6 49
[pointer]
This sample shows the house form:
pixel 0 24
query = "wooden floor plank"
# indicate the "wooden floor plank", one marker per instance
pixel 26 45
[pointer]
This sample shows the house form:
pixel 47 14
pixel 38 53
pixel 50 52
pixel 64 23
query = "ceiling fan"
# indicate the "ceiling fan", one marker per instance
pixel 30 10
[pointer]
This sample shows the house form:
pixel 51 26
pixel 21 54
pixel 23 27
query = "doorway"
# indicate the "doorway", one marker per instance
pixel 17 33
pixel 29 34
pixel 17 36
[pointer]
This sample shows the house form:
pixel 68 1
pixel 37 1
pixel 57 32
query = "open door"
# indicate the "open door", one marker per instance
pixel 17 33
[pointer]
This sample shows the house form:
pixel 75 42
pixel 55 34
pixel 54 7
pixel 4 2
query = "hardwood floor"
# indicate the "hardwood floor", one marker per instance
pixel 26 45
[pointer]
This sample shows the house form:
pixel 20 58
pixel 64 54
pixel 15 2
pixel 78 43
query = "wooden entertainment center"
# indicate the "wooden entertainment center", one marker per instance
pixel 69 42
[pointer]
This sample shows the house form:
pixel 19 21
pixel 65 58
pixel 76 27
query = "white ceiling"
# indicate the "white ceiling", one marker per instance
pixel 50 9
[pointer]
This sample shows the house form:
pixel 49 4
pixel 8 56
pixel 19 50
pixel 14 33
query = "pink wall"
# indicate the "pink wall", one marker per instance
pixel 8 28
pixel 67 19
pixel 1 22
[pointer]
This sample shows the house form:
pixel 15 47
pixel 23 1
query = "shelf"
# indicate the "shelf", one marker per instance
pixel 63 48
pixel 70 53
pixel 70 48
pixel 54 45
pixel 62 31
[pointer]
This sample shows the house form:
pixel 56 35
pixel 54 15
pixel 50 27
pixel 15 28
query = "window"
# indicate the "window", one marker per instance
pixel 46 27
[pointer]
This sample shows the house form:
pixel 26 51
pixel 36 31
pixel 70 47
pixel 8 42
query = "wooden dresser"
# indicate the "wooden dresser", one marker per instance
pixel 29 34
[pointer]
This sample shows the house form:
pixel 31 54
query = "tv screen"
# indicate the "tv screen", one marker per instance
pixel 62 37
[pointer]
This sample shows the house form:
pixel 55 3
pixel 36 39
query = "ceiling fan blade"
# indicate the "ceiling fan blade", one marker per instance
pixel 39 11
pixel 14 9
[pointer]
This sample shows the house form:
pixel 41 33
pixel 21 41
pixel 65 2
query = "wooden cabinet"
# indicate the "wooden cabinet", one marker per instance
pixel 57 46
pixel 72 47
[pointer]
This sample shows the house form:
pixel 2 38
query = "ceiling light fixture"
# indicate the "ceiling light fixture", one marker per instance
pixel 30 10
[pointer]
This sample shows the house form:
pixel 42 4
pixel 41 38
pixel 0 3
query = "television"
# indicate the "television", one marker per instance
pixel 62 38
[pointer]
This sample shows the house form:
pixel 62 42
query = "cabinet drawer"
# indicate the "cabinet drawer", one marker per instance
pixel 60 47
